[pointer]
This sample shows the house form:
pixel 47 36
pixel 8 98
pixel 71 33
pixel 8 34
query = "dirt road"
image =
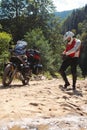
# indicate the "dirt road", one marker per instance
pixel 45 105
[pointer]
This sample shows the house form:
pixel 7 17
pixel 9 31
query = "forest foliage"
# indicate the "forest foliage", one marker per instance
pixel 35 22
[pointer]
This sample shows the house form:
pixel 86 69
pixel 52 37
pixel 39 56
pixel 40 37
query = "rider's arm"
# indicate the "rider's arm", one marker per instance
pixel 75 48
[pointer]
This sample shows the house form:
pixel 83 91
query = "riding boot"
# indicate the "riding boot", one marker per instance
pixel 74 81
pixel 65 79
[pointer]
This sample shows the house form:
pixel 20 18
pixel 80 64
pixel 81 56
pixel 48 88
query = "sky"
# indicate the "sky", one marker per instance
pixel 62 5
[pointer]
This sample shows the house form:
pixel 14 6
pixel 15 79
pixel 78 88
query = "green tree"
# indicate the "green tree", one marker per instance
pixel 83 31
pixel 12 8
pixel 11 13
pixel 5 38
pixel 84 37
pixel 0 27
pixel 77 16
pixel 18 16
pixel 36 38
pixel 55 37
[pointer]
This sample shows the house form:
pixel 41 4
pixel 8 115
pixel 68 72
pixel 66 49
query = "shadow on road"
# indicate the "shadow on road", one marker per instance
pixel 12 86
pixel 70 91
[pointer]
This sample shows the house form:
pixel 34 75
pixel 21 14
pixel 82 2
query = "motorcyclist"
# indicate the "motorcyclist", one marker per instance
pixel 70 58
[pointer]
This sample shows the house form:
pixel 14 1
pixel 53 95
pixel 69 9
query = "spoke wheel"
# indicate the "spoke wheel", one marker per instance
pixel 8 75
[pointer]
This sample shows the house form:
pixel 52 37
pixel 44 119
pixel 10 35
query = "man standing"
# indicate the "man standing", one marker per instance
pixel 70 58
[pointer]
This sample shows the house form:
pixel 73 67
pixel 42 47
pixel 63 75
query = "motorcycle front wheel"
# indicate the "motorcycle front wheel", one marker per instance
pixel 25 81
pixel 8 75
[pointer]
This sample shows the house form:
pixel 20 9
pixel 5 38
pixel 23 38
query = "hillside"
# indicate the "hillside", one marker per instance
pixel 77 16
pixel 63 14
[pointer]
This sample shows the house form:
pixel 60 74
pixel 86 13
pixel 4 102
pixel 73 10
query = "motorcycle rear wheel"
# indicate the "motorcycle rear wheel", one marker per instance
pixel 8 75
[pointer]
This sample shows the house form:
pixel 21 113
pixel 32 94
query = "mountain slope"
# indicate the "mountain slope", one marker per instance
pixel 63 14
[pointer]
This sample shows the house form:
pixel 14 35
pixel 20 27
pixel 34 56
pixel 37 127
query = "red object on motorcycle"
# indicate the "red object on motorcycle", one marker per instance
pixel 33 53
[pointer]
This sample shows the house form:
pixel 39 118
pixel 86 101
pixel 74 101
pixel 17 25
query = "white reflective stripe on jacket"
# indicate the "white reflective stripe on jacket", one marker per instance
pixel 75 49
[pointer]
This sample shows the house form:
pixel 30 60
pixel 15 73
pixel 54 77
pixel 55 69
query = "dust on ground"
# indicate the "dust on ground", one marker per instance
pixel 43 105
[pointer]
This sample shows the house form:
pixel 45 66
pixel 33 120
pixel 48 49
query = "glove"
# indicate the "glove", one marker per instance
pixel 64 57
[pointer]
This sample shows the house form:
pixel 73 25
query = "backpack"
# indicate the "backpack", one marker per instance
pixel 20 48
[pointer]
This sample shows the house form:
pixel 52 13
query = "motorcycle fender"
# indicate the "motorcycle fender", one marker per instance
pixel 9 63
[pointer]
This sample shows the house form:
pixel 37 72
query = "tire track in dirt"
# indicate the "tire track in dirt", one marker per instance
pixel 42 99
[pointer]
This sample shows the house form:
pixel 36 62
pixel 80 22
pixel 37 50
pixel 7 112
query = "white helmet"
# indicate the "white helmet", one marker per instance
pixel 68 34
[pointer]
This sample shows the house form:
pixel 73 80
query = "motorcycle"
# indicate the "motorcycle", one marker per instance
pixel 22 63
pixel 17 65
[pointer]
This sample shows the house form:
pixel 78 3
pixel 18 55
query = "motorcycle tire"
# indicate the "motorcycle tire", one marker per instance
pixel 8 75
pixel 25 81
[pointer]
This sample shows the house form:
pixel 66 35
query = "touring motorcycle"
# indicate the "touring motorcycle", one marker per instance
pixel 22 63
